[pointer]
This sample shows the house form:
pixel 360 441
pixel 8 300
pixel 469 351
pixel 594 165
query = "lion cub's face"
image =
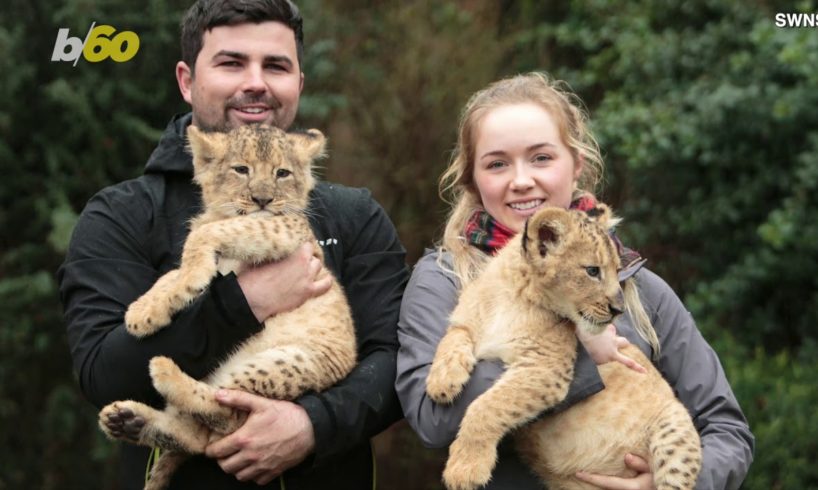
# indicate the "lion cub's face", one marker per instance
pixel 574 264
pixel 254 168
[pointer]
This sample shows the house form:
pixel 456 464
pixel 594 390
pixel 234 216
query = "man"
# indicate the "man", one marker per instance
pixel 241 65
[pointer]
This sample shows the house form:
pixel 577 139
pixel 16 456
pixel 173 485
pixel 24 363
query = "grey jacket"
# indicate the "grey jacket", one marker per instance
pixel 688 363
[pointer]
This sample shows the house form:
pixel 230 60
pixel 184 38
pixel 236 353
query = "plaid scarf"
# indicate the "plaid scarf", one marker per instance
pixel 489 235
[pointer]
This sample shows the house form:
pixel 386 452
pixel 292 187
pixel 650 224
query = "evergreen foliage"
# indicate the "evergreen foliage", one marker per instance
pixel 705 110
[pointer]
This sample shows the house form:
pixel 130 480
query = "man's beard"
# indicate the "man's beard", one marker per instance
pixel 224 125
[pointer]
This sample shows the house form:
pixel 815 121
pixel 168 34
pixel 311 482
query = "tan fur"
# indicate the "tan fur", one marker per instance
pixel 255 182
pixel 560 272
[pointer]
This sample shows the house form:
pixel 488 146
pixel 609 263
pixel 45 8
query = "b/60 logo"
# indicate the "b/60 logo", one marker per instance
pixel 100 43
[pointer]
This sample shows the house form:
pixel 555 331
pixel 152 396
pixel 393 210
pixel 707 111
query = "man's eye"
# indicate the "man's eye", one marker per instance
pixel 241 169
pixel 283 172
pixel 592 270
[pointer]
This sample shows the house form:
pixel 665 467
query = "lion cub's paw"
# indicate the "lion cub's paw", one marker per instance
pixel 446 381
pixel 145 317
pixel 166 375
pixel 469 470
pixel 124 421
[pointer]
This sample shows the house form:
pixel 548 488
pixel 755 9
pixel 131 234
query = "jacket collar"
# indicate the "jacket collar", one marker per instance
pixel 171 153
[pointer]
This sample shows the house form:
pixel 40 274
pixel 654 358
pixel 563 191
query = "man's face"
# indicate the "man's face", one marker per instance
pixel 244 74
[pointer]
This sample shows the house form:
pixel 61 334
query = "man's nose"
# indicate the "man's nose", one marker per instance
pixel 254 79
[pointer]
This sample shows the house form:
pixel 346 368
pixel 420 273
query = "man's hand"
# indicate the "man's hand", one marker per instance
pixel 642 481
pixel 604 347
pixel 277 435
pixel 281 286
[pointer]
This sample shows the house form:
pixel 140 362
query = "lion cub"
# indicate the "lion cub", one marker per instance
pixel 255 182
pixel 559 272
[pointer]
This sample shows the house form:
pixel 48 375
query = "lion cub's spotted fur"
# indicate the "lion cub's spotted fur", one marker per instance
pixel 560 272
pixel 255 182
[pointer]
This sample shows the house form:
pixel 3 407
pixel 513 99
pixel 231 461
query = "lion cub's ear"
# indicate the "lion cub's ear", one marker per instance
pixel 544 230
pixel 603 215
pixel 206 147
pixel 308 145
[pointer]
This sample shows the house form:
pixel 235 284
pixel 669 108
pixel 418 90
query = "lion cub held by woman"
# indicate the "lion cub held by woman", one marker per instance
pixel 255 182
pixel 559 272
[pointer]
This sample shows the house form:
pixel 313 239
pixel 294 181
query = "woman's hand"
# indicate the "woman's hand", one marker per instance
pixel 604 347
pixel 642 481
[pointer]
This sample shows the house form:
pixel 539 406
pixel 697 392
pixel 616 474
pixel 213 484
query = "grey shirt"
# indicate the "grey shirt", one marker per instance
pixel 687 362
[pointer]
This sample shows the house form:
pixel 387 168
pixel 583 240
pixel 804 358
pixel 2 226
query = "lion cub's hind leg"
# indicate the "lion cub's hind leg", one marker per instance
pixel 192 397
pixel 141 424
pixel 675 449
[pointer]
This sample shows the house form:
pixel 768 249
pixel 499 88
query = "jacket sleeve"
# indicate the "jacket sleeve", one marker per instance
pixel 693 370
pixel 108 265
pixel 373 275
pixel 428 301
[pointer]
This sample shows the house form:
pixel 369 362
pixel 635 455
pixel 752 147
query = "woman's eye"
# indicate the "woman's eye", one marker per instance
pixel 241 169
pixel 542 158
pixel 496 164
pixel 283 172
pixel 592 271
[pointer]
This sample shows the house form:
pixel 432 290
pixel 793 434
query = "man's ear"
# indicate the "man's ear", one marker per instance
pixel 309 145
pixel 544 230
pixel 184 78
pixel 205 147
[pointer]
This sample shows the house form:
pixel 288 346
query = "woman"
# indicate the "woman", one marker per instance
pixel 523 144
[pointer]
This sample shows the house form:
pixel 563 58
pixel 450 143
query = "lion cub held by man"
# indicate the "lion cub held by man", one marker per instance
pixel 559 272
pixel 255 182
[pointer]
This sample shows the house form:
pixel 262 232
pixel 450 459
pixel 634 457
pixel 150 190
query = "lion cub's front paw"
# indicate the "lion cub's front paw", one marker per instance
pixel 468 470
pixel 446 381
pixel 145 317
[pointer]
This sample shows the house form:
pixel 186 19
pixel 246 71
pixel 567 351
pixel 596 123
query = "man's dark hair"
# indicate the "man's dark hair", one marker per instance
pixel 204 15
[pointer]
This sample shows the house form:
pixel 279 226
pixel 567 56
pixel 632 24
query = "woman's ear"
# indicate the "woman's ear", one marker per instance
pixel 579 167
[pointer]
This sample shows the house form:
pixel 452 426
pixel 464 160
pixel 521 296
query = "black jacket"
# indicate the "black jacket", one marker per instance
pixel 131 233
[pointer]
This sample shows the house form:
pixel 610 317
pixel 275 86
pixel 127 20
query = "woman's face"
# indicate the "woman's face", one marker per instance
pixel 521 163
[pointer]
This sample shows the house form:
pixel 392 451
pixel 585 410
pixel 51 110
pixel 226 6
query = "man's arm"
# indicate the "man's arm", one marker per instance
pixel 108 265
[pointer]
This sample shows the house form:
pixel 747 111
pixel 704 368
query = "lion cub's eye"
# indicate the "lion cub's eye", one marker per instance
pixel 241 169
pixel 592 270
pixel 283 172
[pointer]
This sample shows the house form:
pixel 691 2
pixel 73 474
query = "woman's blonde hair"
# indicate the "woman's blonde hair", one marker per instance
pixel 457 185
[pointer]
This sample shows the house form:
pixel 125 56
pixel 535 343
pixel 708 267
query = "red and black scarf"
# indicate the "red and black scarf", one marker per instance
pixel 489 235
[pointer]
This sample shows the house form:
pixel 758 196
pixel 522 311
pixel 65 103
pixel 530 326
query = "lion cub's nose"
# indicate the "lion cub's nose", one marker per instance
pixel 615 311
pixel 262 201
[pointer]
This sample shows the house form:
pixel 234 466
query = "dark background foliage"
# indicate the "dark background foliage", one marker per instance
pixel 707 114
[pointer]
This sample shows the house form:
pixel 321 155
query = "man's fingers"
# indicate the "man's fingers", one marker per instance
pixel 314 267
pixel 265 477
pixel 239 399
pixel 321 286
pixel 221 449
